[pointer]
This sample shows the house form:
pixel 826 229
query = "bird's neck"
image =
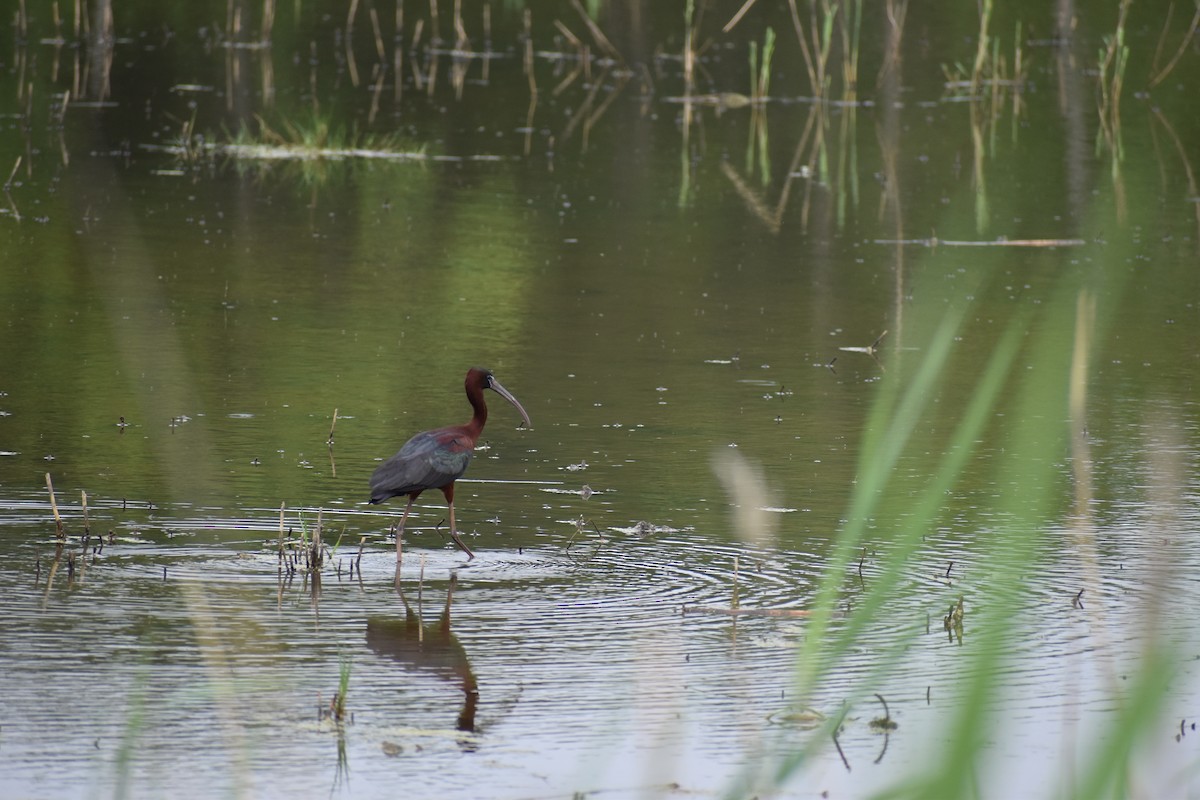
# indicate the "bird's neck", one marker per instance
pixel 475 426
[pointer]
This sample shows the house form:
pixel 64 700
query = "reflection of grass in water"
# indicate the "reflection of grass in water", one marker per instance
pixel 1021 395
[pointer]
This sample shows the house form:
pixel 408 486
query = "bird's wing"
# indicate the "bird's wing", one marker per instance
pixel 429 460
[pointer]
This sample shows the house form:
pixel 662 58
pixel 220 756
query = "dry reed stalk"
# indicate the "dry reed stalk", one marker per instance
pixel 527 61
pixel 351 63
pixel 460 29
pixel 50 577
pixel 432 74
pixel 268 20
pixel 1183 46
pixel 282 506
pixel 398 69
pixel 13 174
pixel 808 59
pixel 376 93
pixel 597 34
pixel 608 101
pixel 418 29
pixel 982 49
pixel 83 553
pixel 736 18
pixel 316 544
pixel 378 36
pixel 689 46
pixel 896 11
pixel 58 523
pixel 572 38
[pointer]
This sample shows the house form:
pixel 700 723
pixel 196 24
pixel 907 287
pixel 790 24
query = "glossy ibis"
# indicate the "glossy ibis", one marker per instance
pixel 436 459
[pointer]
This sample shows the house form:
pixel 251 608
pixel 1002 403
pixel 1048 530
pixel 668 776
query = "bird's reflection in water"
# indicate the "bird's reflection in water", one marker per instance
pixel 428 649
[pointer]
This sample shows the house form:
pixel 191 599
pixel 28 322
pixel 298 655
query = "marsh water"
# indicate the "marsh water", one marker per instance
pixel 241 263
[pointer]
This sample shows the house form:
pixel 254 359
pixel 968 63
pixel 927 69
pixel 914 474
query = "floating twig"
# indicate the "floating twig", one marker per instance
pixel 870 349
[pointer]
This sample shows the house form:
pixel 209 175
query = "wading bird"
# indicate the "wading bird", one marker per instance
pixel 436 459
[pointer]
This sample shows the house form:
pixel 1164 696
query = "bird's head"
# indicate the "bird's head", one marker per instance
pixel 484 379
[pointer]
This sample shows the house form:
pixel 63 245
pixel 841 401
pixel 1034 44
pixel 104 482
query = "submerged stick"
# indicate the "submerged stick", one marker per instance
pixel 332 426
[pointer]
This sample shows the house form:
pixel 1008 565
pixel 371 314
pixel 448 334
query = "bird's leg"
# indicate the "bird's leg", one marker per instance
pixel 458 539
pixel 400 532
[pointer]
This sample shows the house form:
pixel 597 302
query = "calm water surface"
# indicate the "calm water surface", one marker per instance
pixel 668 293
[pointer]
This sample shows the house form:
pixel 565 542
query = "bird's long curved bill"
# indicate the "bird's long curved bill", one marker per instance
pixel 507 395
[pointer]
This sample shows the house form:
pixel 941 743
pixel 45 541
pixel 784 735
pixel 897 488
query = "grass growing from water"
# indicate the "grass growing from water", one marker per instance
pixel 1031 393
pixel 337 706
pixel 1113 60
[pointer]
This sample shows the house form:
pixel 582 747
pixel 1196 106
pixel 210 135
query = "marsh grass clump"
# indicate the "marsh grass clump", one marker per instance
pixel 337 710
pixel 307 144
pixel 314 138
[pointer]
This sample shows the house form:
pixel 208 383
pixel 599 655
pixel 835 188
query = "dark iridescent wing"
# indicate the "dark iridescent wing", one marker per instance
pixel 429 460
